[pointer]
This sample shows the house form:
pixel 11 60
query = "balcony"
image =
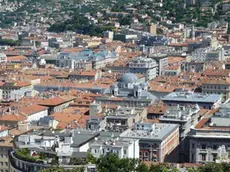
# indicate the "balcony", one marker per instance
pixel 28 166
pixel 203 151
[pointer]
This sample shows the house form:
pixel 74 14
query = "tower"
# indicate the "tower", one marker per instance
pixel 114 90
pixel 152 28
pixel 137 91
pixel 193 33
pixel 94 109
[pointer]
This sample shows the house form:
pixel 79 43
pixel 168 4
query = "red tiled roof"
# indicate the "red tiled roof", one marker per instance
pixel 32 109
pixel 201 123
pixel 13 117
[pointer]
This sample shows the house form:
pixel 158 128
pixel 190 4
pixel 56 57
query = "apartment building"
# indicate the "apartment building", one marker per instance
pixel 193 66
pixel 208 54
pixel 34 112
pixel 97 59
pixel 8 87
pixel 85 75
pixel 57 104
pixel 185 117
pixel 217 86
pixel 5 147
pixel 123 118
pixel 123 147
pixel 210 136
pixel 129 90
pixel 145 66
pixel 207 101
pixel 67 143
pixel 156 40
pixel 162 61
pixel 3 58
pixel 158 142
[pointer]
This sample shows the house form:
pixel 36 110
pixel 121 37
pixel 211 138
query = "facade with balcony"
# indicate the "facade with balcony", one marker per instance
pixel 123 118
pixel 145 66
pixel 44 149
pixel 185 117
pixel 209 136
pixel 18 165
pixel 158 142
pixel 124 148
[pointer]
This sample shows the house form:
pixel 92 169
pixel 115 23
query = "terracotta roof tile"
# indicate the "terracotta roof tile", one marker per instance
pixel 32 109
pixel 16 58
pixel 12 117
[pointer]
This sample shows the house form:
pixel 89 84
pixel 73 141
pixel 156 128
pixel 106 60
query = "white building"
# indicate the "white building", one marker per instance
pixel 3 131
pixel 19 94
pixel 67 143
pixel 3 58
pixel 34 112
pixel 145 66
pixel 208 54
pixel 209 139
pixel 157 141
pixel 123 147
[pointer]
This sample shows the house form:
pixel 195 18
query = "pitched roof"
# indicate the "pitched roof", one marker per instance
pixel 22 84
pixel 16 58
pixel 56 101
pixel 32 109
pixel 3 128
pixel 13 117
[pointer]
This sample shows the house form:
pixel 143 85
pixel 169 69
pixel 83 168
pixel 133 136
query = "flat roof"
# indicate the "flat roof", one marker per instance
pixel 191 97
pixel 160 132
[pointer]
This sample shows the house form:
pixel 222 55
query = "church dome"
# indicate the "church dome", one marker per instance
pixel 129 78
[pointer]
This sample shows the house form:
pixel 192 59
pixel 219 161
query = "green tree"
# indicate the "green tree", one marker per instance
pixel 158 168
pixel 228 31
pixel 9 42
pixel 90 158
pixel 77 161
pixel 142 168
pixel 174 169
pixel 78 169
pixel 53 169
pixel 108 163
pixel 211 167
pixel 226 167
pixel 125 20
pixel 127 164
pixel 192 169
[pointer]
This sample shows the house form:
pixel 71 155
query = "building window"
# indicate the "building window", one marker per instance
pixel 203 157
pixel 203 146
pixel 193 145
pixel 140 154
pixel 192 157
pixel 215 147
pixel 146 154
pixel 125 152
pixel 214 157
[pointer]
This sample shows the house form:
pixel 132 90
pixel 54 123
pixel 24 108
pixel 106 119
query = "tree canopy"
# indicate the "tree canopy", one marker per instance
pixel 112 163
pixel 80 24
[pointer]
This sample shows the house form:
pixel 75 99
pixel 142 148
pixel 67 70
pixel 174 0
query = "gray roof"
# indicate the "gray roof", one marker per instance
pixel 129 78
pixel 159 132
pixel 79 154
pixel 192 97
pixel 80 137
